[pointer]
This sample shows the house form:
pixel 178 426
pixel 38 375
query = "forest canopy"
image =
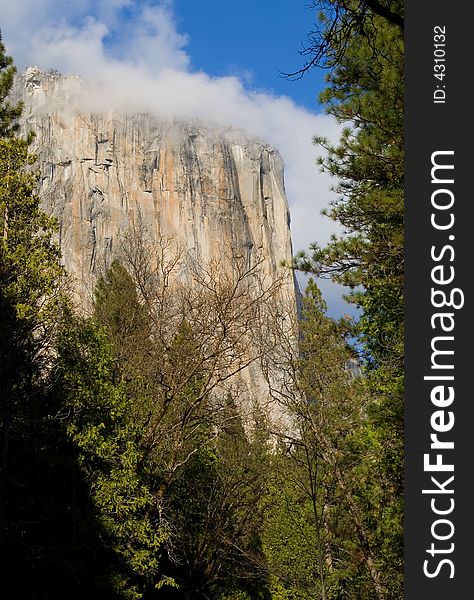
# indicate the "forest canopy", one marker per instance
pixel 128 468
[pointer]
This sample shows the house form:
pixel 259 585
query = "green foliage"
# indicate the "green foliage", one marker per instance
pixel 327 511
pixel 107 435
pixel 289 534
pixel 117 307
pixel 126 470
pixel 328 413
pixel 339 22
pixel 30 274
pixel 365 90
pixel 213 505
pixel 30 305
pixel 8 113
pixel 173 480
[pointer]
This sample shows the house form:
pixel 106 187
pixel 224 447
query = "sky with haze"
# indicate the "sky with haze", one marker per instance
pixel 219 61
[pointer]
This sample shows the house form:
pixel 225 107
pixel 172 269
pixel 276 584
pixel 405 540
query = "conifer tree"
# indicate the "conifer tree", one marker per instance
pixel 324 506
pixel 173 481
pixel 9 113
pixel 30 303
pixel 361 45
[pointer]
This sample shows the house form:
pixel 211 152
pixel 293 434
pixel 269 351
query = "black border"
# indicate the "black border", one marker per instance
pixel 430 127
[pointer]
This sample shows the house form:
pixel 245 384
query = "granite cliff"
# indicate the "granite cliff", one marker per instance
pixel 218 192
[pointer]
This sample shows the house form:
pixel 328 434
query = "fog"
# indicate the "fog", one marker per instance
pixel 144 66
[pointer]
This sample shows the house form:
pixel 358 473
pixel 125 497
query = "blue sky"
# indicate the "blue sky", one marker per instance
pixel 216 61
pixel 258 39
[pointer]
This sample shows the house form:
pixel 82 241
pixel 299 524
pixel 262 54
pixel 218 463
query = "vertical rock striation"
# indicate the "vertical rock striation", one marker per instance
pixel 218 192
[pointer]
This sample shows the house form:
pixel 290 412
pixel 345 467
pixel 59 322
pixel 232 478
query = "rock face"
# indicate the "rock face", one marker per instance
pixel 218 192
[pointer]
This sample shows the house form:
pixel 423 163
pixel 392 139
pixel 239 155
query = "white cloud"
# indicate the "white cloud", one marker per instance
pixel 75 46
pixel 155 44
pixel 144 65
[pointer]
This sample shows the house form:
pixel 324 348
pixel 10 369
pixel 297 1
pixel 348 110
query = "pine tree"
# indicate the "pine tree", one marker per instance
pixel 30 306
pixel 365 91
pixel 105 425
pixel 214 506
pixel 9 113
pixel 173 480
pixel 322 509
